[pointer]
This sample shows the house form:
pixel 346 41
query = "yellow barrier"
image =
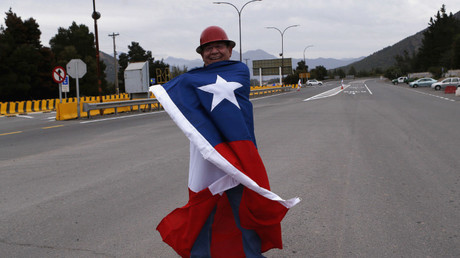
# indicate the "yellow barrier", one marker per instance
pixel 68 108
pixel 37 105
pixel 28 108
pixel 3 106
pixel 46 105
pixel 12 109
pixel 66 111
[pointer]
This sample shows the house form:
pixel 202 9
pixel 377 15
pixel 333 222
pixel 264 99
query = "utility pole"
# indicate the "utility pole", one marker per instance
pixel 113 35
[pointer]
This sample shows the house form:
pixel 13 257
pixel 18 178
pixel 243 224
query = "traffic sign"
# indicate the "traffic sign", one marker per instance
pixel 59 74
pixel 65 84
pixel 76 68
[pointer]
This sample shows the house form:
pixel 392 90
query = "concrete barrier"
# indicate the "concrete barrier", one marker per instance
pixel 3 106
pixel 47 105
pixel 13 108
pixel 66 111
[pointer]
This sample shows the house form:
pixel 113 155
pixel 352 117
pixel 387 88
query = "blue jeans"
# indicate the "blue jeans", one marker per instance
pixel 251 241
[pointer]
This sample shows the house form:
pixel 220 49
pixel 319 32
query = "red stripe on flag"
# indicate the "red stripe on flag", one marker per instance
pixel 245 157
pixel 256 212
pixel 181 227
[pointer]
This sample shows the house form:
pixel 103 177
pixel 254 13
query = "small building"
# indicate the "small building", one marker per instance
pixel 420 75
pixel 452 73
pixel 137 80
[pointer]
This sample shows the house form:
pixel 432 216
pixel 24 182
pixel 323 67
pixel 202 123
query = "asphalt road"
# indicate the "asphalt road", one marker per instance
pixel 376 166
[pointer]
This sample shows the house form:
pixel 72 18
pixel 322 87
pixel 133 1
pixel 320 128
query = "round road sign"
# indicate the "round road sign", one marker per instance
pixel 59 74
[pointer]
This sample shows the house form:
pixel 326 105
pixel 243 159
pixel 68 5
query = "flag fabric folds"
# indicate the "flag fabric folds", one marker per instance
pixel 211 106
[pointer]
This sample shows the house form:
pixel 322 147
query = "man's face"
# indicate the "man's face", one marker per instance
pixel 215 52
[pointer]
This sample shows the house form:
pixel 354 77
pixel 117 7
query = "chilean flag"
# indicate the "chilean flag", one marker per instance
pixel 211 106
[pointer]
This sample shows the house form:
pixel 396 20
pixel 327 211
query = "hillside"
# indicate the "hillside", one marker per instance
pixel 385 58
pixel 109 67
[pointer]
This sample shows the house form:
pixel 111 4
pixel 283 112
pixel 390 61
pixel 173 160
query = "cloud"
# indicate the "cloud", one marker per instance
pixel 336 28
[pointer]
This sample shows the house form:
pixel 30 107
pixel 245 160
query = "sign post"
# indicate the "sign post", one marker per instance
pixel 65 86
pixel 59 76
pixel 76 68
pixel 272 67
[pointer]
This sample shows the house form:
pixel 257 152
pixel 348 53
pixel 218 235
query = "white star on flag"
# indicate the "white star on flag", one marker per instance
pixel 222 90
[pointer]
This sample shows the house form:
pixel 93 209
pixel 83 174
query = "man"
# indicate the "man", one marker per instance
pixel 215 45
pixel 231 211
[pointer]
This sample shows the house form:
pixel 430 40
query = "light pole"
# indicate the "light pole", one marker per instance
pixel 239 19
pixel 282 45
pixel 304 62
pixel 96 16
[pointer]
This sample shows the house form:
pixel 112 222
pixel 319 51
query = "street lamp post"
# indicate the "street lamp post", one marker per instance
pixel 304 62
pixel 282 45
pixel 96 16
pixel 239 19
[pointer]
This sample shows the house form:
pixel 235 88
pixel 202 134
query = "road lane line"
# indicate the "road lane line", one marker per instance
pixel 432 95
pixel 10 133
pixel 368 89
pixel 54 126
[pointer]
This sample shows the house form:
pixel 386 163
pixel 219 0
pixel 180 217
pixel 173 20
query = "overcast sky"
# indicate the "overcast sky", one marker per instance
pixel 335 28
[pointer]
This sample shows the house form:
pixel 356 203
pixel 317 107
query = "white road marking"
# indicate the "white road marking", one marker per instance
pixel 120 117
pixel 328 93
pixel 24 116
pixel 428 94
pixel 368 89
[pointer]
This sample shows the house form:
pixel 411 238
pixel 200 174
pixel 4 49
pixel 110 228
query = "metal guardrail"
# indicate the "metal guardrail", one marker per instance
pixel 87 107
pixel 272 90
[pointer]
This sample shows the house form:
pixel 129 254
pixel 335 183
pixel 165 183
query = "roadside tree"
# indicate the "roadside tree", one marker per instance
pixel 25 65
pixel 436 49
pixel 77 42
pixel 136 53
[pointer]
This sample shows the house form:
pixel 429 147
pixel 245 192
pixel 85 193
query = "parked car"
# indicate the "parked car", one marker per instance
pixel 452 81
pixel 314 82
pixel 422 82
pixel 399 80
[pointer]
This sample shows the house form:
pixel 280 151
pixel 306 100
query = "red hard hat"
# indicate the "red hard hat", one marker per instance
pixel 213 34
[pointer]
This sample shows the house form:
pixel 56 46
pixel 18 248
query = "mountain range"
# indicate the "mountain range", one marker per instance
pixel 259 54
pixel 381 59
pixel 329 63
